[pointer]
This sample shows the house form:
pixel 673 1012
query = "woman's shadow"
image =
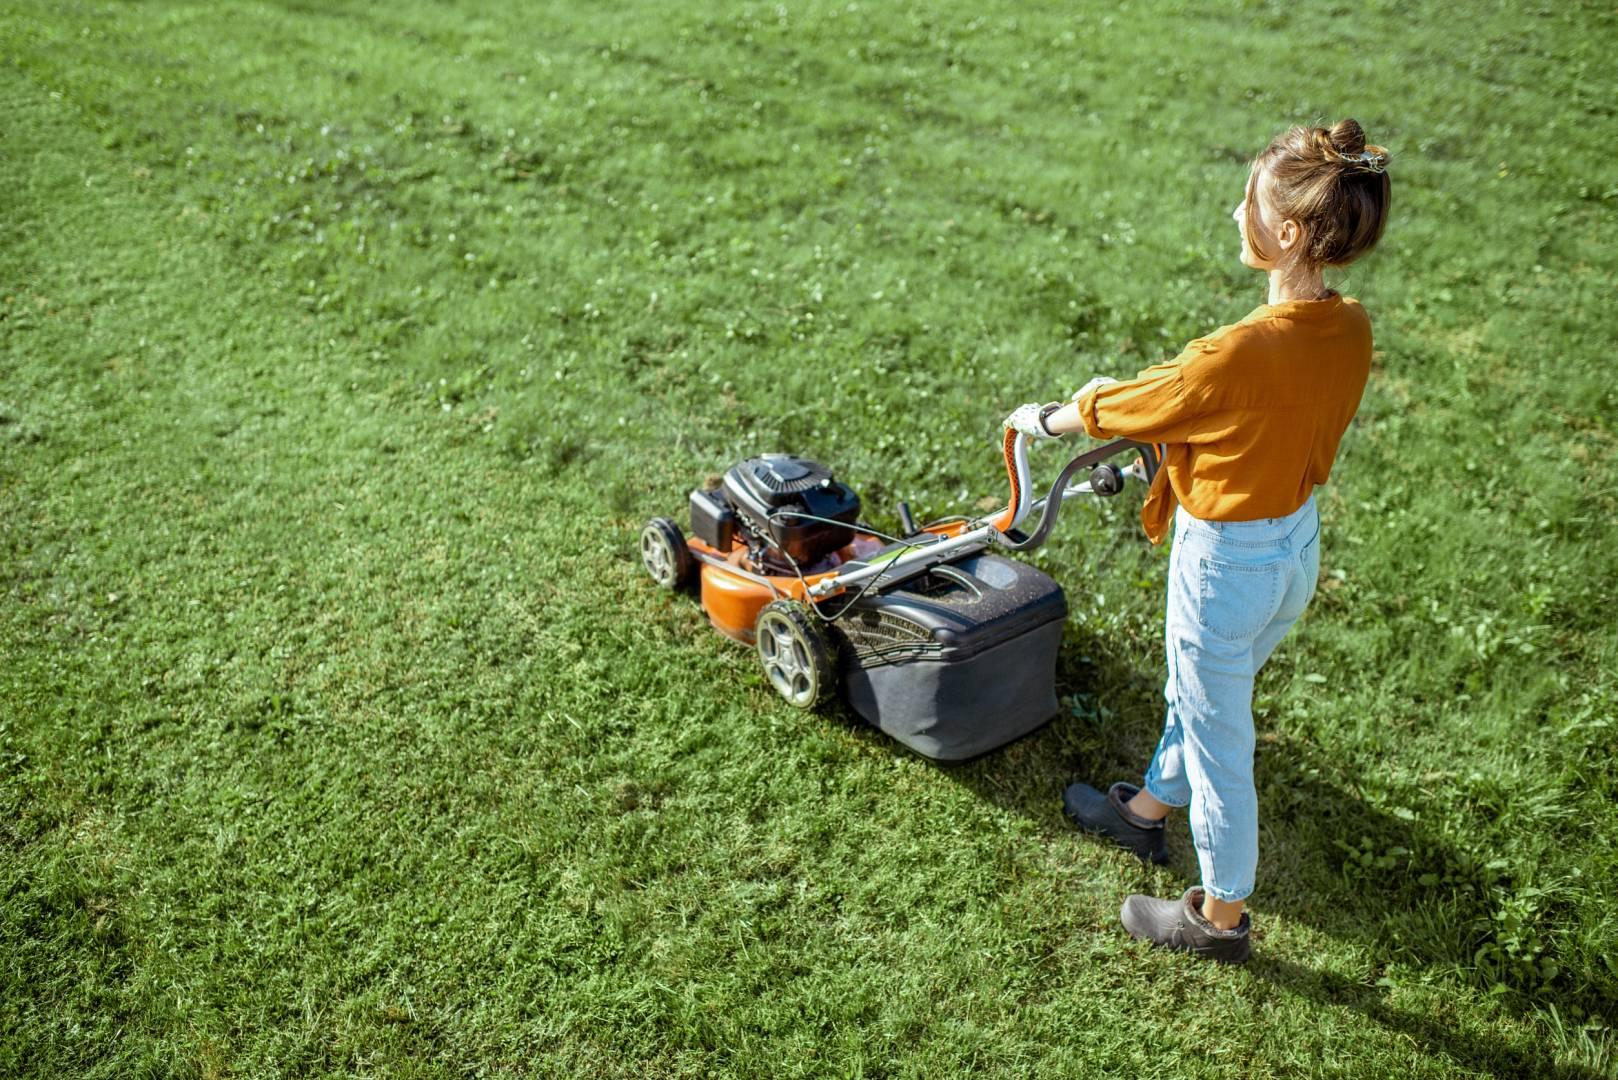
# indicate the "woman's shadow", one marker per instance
pixel 1361 874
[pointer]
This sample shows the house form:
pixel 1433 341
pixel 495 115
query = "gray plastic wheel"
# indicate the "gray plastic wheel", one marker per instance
pixel 796 654
pixel 664 554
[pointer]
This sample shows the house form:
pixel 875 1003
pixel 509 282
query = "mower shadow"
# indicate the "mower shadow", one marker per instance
pixel 1311 815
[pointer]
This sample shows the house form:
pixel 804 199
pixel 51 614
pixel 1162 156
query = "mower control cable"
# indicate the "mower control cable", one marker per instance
pixel 869 584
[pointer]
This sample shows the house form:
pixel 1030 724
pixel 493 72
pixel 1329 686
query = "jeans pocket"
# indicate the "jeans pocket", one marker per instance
pixel 1309 558
pixel 1237 600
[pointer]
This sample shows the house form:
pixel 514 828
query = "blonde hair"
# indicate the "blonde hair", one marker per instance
pixel 1332 184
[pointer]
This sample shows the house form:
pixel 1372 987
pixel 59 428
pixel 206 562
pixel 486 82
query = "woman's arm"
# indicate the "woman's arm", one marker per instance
pixel 1155 406
pixel 1064 421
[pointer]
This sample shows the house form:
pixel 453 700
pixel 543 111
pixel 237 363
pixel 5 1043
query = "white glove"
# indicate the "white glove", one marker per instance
pixel 1029 421
pixel 1099 380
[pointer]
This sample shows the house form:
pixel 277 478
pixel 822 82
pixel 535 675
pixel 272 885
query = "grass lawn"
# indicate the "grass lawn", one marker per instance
pixel 344 349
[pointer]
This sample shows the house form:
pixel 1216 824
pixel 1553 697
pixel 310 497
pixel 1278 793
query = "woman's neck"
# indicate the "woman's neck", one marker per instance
pixel 1295 282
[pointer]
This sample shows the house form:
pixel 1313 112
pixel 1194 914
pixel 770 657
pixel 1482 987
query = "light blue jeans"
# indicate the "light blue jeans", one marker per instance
pixel 1235 589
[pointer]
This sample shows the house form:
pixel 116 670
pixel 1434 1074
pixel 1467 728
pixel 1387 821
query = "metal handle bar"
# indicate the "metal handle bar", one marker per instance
pixel 1059 490
pixel 999 528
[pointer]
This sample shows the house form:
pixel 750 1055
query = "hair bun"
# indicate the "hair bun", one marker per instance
pixel 1347 137
pixel 1328 181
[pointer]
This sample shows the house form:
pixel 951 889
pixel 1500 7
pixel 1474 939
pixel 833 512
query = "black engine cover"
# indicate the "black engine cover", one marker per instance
pixel 767 491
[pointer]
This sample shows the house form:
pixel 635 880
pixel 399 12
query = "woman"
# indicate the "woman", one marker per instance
pixel 1250 418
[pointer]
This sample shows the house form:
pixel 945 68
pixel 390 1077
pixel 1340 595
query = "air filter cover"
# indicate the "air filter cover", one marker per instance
pixel 793 503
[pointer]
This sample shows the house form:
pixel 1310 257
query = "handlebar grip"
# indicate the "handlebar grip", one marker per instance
pixel 1014 448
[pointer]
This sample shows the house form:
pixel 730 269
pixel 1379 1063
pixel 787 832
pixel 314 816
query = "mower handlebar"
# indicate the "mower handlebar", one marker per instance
pixel 1015 448
pixel 998 529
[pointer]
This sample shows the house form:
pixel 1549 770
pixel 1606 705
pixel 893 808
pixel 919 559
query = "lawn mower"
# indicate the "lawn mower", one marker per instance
pixel 935 639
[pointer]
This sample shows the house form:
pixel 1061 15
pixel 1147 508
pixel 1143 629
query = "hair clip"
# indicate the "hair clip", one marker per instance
pixel 1377 163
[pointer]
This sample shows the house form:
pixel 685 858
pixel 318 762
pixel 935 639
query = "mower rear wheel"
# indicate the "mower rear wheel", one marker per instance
pixel 797 654
pixel 664 554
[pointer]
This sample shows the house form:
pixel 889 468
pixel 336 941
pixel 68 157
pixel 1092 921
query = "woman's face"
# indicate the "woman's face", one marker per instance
pixel 1268 233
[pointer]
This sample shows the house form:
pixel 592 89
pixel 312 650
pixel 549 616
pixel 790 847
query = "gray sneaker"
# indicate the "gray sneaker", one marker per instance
pixel 1106 815
pixel 1178 924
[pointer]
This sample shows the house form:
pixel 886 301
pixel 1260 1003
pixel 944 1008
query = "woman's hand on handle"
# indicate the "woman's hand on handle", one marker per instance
pixel 1031 420
pixel 1061 421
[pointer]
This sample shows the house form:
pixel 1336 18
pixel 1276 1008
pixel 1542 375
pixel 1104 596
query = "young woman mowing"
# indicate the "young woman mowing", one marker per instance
pixel 1250 418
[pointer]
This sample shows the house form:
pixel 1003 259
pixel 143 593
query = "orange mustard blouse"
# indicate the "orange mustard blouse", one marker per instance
pixel 1250 416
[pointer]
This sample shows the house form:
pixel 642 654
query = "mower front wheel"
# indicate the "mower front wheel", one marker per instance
pixel 797 654
pixel 664 554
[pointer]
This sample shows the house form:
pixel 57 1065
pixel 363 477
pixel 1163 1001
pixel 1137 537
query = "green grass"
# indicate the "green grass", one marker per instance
pixel 344 348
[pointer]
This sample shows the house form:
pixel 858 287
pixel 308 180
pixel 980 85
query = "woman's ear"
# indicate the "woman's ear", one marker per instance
pixel 1289 234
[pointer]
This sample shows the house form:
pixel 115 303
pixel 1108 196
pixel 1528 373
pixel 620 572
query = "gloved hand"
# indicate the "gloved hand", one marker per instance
pixel 1099 380
pixel 1029 420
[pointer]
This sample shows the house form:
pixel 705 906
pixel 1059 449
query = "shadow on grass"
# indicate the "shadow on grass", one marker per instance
pixel 1381 881
pixel 1468 1050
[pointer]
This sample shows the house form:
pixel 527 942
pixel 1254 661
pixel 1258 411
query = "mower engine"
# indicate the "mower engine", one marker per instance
pixel 791 513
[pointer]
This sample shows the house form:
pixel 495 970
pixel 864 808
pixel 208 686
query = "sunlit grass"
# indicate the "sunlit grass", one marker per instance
pixel 346 349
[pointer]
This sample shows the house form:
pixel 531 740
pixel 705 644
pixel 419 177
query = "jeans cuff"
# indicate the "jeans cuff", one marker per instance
pixel 1229 896
pixel 1151 789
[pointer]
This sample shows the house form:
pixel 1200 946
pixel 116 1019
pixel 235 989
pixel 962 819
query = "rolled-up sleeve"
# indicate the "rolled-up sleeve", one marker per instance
pixel 1155 406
